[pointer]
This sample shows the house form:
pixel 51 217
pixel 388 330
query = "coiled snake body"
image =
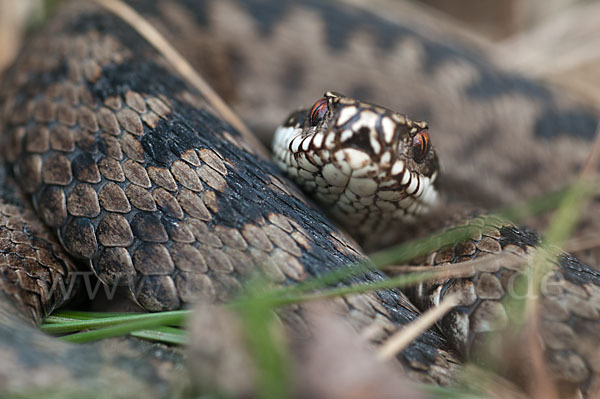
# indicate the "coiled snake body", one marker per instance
pixel 145 183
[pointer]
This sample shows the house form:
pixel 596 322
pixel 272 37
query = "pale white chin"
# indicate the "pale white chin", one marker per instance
pixel 282 139
pixel 425 198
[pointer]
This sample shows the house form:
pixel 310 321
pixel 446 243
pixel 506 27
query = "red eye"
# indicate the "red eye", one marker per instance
pixel 317 112
pixel 420 146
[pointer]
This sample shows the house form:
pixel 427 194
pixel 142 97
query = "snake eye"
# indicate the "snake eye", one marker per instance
pixel 420 146
pixel 317 112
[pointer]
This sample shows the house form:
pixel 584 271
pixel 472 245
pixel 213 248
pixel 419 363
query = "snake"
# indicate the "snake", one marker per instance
pixel 129 173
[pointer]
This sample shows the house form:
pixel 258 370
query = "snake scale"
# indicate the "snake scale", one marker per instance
pixel 146 184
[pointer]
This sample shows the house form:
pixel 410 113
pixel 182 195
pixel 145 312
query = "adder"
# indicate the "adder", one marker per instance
pixel 139 177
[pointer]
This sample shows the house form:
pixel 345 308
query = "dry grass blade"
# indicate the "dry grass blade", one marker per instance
pixel 397 342
pixel 462 269
pixel 542 386
pixel 590 166
pixel 180 64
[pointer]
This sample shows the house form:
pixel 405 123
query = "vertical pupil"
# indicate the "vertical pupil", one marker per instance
pixel 420 146
pixel 318 111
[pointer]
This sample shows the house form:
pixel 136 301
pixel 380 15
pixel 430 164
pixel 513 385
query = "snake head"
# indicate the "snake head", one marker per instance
pixel 366 164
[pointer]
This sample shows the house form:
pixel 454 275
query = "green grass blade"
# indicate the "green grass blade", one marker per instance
pixel 175 317
pixel 163 334
pixel 164 318
pixel 84 315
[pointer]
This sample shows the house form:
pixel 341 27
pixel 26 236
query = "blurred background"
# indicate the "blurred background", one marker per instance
pixel 552 40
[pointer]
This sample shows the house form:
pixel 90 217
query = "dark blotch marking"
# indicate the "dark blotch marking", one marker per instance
pixel 361 140
pixel 574 123
pixel 158 150
pixel 577 272
pixel 492 83
pixel 521 237
pixel 138 75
